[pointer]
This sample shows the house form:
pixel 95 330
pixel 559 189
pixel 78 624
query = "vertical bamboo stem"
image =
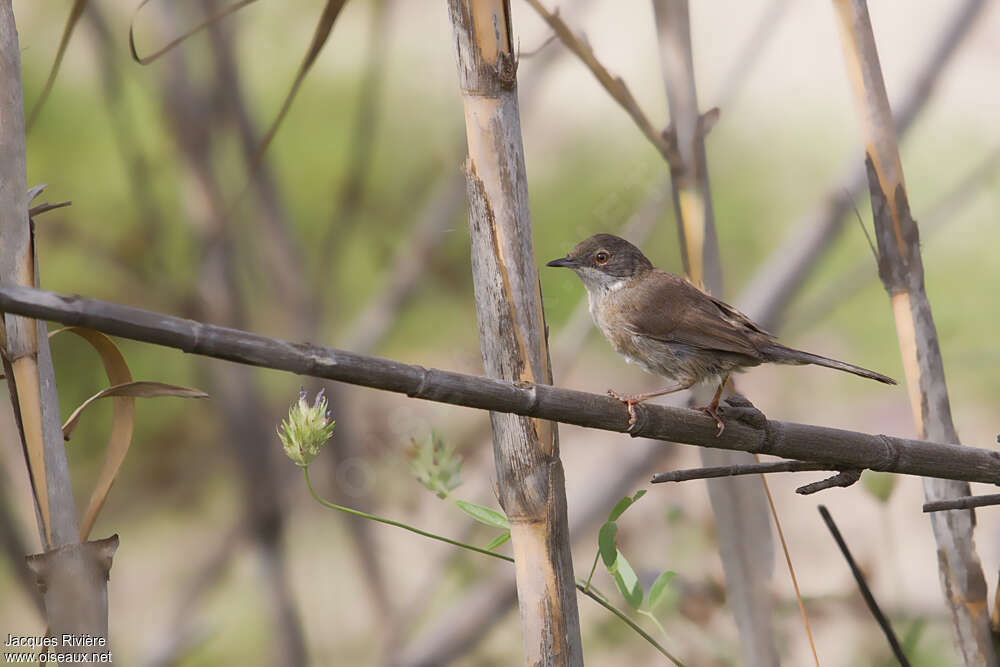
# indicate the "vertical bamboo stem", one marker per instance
pixel 530 480
pixel 787 267
pixel 738 504
pixel 72 576
pixel 688 164
pixel 901 270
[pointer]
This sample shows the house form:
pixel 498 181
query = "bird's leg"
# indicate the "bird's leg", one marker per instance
pixel 712 407
pixel 632 400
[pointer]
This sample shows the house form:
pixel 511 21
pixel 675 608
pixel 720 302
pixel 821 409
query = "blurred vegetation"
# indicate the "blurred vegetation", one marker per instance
pixel 179 488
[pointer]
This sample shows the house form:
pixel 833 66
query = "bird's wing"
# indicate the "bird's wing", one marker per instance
pixel 685 315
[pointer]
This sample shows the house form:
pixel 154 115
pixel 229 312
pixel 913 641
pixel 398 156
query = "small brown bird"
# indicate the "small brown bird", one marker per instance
pixel 672 329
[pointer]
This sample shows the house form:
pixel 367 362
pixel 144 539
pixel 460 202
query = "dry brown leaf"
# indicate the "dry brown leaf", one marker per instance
pixel 320 35
pixel 123 421
pixel 139 389
pixel 145 60
pixel 74 15
pixel 123 392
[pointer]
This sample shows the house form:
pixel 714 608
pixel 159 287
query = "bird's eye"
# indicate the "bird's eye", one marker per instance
pixel 601 257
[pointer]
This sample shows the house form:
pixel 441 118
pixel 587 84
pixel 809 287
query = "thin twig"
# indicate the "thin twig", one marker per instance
pixel 281 260
pixel 74 15
pixel 853 279
pixel 45 206
pixel 963 503
pixel 844 478
pixel 613 84
pixel 147 267
pixel 791 568
pixel 169 46
pixel 866 593
pixel 535 51
pixel 348 202
pixel 740 469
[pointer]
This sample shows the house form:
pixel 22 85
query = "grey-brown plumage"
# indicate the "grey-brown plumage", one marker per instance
pixel 669 327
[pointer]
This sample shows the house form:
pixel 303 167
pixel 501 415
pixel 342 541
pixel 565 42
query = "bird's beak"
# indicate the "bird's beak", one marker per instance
pixel 567 262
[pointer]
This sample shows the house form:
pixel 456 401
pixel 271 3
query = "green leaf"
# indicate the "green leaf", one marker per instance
pixel 879 484
pixel 674 514
pixel 619 508
pixel 912 636
pixel 624 504
pixel 627 582
pixel 483 514
pixel 659 588
pixel 501 538
pixel 606 544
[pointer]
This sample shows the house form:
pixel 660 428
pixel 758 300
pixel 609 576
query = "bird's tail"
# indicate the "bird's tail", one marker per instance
pixel 786 355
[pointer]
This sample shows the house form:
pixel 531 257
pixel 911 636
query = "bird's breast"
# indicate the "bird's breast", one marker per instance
pixel 608 317
pixel 678 362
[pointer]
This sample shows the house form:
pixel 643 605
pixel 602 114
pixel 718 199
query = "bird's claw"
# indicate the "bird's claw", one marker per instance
pixel 630 403
pixel 712 410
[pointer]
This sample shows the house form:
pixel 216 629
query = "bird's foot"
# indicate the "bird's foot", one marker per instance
pixel 630 401
pixel 712 410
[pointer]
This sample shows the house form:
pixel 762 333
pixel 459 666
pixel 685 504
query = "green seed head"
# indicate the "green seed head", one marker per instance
pixel 306 430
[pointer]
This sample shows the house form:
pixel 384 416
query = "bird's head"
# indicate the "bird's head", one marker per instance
pixel 604 261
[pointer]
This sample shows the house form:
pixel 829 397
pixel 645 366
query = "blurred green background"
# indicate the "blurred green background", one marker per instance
pixel 381 109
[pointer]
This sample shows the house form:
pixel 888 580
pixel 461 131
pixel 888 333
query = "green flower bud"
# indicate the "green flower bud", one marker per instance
pixel 436 465
pixel 306 430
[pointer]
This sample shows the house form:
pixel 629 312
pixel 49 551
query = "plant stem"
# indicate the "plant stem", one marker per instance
pixel 592 594
pixel 592 569
pixel 365 515
pixel 655 621
pixel 597 597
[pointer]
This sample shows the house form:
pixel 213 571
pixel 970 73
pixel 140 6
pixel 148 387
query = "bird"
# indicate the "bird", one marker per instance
pixel 670 328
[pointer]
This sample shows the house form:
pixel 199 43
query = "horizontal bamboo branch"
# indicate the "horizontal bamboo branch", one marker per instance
pixel 962 503
pixel 837 447
pixel 711 472
pixel 846 477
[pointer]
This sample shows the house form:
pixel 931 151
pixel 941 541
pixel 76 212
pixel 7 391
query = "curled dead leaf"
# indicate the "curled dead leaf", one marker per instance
pixel 123 391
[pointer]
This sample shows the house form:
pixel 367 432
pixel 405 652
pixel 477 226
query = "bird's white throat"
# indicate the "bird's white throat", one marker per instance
pixel 617 285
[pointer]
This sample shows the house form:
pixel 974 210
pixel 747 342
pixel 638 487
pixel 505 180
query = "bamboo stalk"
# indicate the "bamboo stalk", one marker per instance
pixel 531 487
pixel 739 505
pixel 767 296
pixel 71 576
pixel 688 166
pixel 788 440
pixel 901 270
